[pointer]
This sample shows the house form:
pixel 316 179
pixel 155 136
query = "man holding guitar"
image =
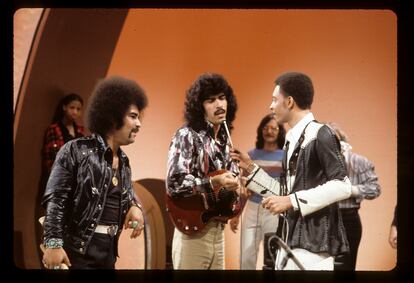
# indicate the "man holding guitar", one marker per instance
pixel 202 181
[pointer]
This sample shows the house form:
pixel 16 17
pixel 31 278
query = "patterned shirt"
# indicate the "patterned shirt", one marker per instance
pixel 361 173
pixel 56 136
pixel 192 156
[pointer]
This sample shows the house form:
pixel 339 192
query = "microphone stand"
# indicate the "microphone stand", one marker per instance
pixel 288 255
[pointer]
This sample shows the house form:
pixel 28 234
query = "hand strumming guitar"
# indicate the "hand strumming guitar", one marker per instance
pixel 225 180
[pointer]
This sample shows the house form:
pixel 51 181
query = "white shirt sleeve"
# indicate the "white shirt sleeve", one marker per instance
pixel 312 200
pixel 263 184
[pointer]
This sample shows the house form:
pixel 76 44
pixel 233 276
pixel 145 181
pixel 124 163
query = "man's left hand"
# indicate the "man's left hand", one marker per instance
pixel 134 220
pixel 277 204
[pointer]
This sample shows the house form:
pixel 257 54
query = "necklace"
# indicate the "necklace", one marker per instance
pixel 114 178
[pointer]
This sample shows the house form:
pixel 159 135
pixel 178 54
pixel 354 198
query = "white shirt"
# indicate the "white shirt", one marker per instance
pixel 292 136
pixel 294 133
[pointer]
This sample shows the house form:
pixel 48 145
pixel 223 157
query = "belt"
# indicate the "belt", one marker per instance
pixel 107 229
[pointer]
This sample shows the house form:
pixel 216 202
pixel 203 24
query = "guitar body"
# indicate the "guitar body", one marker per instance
pixel 191 214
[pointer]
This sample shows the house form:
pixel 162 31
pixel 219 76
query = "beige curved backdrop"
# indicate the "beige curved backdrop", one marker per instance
pixel 350 55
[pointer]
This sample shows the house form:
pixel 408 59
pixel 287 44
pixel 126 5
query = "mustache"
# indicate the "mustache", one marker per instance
pixel 219 111
pixel 135 130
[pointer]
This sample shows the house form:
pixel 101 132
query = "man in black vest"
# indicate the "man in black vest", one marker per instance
pixel 314 179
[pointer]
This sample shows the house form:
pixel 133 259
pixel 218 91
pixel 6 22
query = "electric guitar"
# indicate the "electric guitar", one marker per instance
pixel 191 214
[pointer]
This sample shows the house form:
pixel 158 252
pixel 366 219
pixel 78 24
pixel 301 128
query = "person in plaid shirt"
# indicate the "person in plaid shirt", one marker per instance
pixel 63 129
pixel 365 185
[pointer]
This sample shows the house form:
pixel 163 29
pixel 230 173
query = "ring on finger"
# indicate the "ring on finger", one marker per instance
pixel 134 224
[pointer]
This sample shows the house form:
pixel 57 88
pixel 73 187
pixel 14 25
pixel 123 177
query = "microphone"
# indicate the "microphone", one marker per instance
pixel 228 133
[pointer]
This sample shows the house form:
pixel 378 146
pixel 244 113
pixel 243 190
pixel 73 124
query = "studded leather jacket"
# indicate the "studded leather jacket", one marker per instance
pixel 76 191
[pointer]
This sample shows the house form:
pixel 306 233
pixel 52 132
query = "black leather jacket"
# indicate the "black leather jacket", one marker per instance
pixel 76 191
pixel 317 161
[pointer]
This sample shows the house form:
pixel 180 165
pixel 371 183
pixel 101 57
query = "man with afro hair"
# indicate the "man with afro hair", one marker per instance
pixel 89 196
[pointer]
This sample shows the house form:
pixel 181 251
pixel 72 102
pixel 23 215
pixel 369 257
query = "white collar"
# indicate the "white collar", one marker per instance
pixel 294 133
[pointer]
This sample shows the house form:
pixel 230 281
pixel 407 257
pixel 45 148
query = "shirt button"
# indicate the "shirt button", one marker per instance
pixel 82 243
pixel 81 249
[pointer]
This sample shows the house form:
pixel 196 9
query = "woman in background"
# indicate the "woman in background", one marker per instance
pixel 63 128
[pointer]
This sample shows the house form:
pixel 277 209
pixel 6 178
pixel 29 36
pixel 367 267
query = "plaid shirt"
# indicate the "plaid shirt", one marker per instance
pixel 55 138
pixel 361 173
pixel 192 156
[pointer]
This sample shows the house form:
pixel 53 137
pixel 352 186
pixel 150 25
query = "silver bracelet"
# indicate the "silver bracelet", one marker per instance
pixel 53 243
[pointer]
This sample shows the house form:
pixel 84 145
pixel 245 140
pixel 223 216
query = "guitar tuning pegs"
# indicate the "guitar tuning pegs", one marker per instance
pixel 195 228
pixel 186 227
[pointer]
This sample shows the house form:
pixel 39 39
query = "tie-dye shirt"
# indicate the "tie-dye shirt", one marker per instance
pixel 192 156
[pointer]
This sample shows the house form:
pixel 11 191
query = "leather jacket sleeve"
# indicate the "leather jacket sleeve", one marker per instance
pixel 337 187
pixel 58 193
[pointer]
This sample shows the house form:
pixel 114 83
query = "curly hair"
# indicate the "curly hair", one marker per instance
pixel 297 85
pixel 280 140
pixel 59 113
pixel 110 102
pixel 206 85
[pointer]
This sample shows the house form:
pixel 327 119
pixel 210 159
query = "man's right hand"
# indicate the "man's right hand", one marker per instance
pixel 242 158
pixel 234 223
pixel 53 258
